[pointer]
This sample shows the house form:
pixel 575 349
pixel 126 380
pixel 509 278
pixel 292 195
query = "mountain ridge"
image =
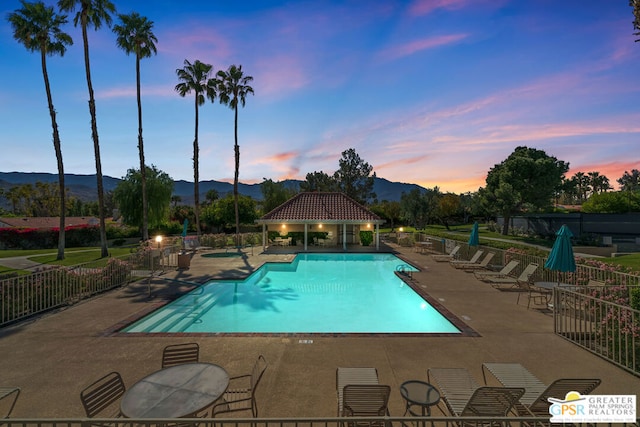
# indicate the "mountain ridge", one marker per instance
pixel 85 186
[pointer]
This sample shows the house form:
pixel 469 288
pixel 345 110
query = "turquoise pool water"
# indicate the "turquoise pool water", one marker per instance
pixel 316 293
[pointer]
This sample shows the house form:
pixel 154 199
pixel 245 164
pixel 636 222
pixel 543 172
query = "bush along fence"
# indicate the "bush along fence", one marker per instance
pixel 597 307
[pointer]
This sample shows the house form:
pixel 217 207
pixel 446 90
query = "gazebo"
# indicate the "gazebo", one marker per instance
pixel 337 215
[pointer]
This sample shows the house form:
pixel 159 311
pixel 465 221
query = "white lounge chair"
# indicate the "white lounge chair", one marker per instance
pixel 447 257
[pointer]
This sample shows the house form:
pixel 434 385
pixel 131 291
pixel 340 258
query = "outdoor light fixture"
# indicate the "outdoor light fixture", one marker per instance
pixel 159 240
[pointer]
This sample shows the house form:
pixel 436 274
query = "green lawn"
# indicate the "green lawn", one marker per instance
pixel 79 256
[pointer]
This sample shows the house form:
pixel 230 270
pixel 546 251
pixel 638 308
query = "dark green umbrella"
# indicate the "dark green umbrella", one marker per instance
pixel 561 255
pixel 474 240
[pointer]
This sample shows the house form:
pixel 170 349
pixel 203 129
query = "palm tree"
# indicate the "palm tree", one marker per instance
pixel 135 35
pixel 37 27
pixel 196 78
pixel 234 87
pixel 94 13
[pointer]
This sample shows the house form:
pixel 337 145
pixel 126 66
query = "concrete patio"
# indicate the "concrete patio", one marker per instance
pixel 54 356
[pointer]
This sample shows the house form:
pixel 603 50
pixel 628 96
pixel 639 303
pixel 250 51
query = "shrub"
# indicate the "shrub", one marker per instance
pixel 366 237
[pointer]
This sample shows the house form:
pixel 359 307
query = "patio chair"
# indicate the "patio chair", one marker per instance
pixel 504 272
pixel 348 376
pixel 470 267
pixel 446 257
pixel 515 375
pixel 474 259
pixel 102 397
pixel 241 394
pixel 177 354
pixel 5 392
pixel 464 397
pixel 507 283
pixel 365 400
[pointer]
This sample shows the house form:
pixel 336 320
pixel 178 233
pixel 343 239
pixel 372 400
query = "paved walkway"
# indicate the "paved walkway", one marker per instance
pixel 53 357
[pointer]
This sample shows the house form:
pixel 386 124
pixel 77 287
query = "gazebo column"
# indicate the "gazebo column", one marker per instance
pixel 344 237
pixel 305 235
pixel 264 237
pixel 377 237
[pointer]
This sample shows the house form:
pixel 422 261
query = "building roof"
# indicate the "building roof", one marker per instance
pixel 313 207
pixel 47 222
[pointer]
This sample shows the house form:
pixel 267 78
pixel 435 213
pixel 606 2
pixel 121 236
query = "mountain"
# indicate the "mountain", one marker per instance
pixel 84 186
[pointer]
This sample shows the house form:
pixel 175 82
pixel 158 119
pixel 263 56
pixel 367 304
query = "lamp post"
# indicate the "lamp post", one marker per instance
pixel 159 242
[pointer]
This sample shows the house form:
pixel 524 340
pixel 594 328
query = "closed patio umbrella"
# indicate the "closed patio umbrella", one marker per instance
pixel 473 237
pixel 561 255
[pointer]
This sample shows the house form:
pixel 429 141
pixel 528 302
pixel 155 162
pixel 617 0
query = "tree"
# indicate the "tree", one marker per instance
pixel 389 210
pixel 93 13
pixel 599 183
pixel 196 78
pixel 37 27
pixel 319 181
pixel 635 4
pixel 129 192
pixel 234 87
pixel 630 184
pixel 630 181
pixel 274 194
pixel 222 214
pixel 353 177
pixel 418 206
pixel 611 202
pixel 526 180
pixel 135 35
pixel 449 206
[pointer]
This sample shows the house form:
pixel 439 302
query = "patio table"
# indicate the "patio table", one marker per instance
pixel 175 392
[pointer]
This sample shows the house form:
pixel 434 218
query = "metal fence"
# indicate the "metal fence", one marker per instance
pixel 592 318
pixel 55 287
pixel 295 422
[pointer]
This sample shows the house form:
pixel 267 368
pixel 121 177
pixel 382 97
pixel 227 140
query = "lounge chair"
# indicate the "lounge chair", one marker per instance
pixel 559 389
pixel 470 267
pixel 505 283
pixel 362 400
pixel 448 257
pixel 474 259
pixel 180 353
pixel 241 394
pixel 463 396
pixel 347 376
pixel 535 399
pixel 506 270
pixel 102 397
pixel 5 392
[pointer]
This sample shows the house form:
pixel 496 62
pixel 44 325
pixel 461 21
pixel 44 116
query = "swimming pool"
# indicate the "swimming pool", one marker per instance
pixel 316 293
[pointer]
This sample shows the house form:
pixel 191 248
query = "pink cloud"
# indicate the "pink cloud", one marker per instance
pixel 130 92
pixel 412 47
pixel 280 75
pixel 425 7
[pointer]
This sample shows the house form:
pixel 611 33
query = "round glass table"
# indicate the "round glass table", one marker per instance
pixel 175 392
pixel 420 394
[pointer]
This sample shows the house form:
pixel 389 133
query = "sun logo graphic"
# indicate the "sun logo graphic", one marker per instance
pixel 571 406
pixel 576 408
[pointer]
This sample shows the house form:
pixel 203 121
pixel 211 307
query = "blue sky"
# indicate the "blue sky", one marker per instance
pixel 432 92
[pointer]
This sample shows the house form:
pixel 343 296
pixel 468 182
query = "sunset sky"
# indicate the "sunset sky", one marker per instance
pixel 432 92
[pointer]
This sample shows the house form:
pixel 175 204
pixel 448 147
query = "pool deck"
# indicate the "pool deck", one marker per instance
pixel 54 356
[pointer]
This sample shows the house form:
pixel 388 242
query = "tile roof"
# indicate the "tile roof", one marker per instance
pixel 318 206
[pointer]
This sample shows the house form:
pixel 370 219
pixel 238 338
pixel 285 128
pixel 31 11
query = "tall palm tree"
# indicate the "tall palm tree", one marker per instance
pixel 234 87
pixel 135 35
pixel 196 78
pixel 37 27
pixel 92 13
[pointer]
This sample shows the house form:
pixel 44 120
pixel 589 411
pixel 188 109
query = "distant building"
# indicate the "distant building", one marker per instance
pixel 47 222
